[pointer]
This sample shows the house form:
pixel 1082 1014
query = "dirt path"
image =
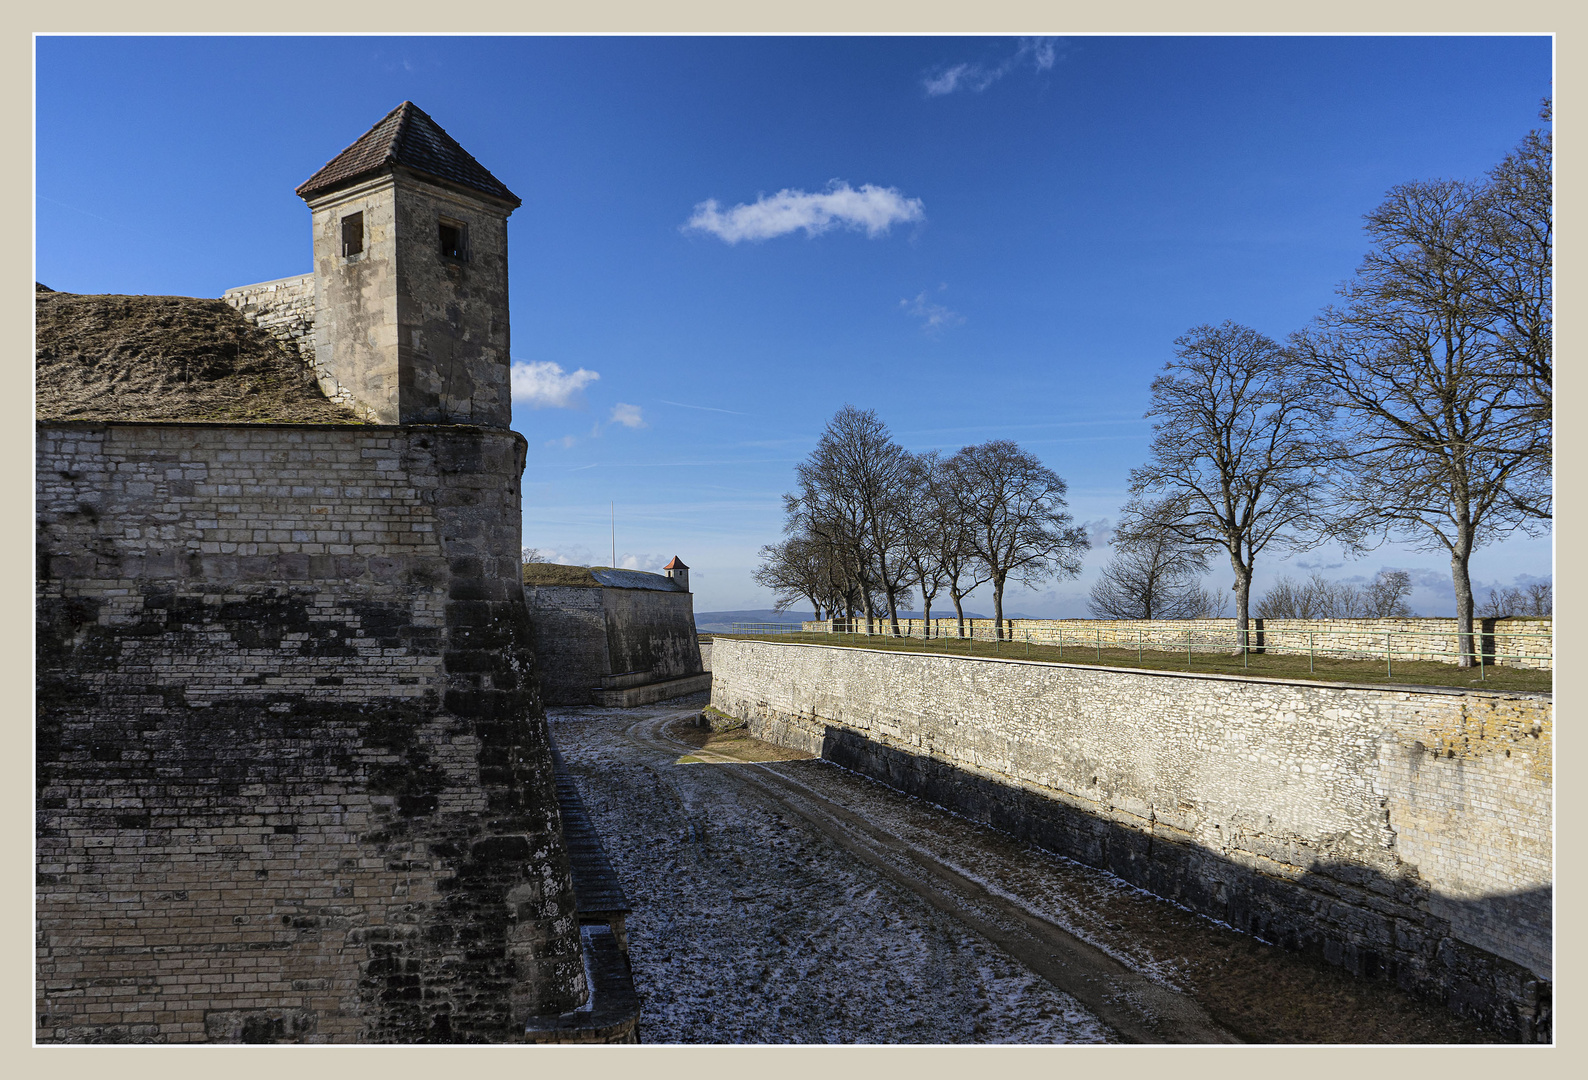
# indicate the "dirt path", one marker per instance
pixel 790 900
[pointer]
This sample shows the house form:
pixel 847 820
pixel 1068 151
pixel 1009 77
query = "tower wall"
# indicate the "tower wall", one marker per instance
pixel 356 325
pixel 451 313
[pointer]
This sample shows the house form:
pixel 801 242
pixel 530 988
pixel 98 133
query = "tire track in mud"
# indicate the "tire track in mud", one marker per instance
pixel 1139 1009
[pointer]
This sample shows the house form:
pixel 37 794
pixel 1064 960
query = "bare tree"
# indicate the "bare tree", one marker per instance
pixel 1437 447
pixel 531 555
pixel 851 496
pixel 1237 449
pixel 1315 598
pixel 930 528
pixel 1536 599
pixel 1512 260
pixel 796 569
pixel 1385 596
pixel 1015 525
pixel 1319 598
pixel 1154 574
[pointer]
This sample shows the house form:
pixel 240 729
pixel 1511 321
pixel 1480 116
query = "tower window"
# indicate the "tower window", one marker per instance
pixel 353 234
pixel 454 240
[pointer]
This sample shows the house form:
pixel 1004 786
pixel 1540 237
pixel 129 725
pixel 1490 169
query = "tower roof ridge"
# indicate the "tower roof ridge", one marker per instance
pixel 409 138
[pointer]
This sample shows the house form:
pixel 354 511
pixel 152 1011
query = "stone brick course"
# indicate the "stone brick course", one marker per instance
pixel 284 307
pixel 293 775
pixel 1404 833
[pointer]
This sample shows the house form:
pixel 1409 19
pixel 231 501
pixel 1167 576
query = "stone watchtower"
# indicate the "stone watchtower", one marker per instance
pixel 678 572
pixel 410 275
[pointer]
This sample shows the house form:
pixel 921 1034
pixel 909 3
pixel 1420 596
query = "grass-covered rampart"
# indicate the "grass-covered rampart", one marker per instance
pixel 1201 660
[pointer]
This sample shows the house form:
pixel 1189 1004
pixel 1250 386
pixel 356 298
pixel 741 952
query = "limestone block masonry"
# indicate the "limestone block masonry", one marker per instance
pixel 1404 833
pixel 293 776
pixel 284 308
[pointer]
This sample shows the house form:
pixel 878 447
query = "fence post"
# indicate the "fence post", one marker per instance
pixel 1099 646
pixel 1309 652
pixel 1243 648
pixel 1389 668
pixel 1188 648
pixel 1138 649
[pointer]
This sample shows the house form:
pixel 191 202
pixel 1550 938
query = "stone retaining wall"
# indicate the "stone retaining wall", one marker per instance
pixel 284 308
pixel 1404 833
pixel 1518 642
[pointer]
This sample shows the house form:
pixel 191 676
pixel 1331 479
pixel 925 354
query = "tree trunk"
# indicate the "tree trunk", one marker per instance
pixel 998 609
pixel 926 616
pixel 1466 644
pixel 1243 600
pixel 959 612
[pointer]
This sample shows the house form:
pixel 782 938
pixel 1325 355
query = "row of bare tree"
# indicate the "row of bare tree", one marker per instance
pixel 869 523
pixel 1417 408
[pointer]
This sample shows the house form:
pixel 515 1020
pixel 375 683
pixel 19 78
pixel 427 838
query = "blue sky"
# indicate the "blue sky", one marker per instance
pixel 977 237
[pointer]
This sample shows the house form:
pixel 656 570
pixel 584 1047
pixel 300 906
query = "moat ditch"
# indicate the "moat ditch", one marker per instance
pixel 779 899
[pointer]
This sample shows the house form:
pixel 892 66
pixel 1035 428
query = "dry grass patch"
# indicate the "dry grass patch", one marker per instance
pixel 738 744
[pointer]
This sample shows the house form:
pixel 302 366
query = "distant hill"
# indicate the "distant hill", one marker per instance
pixel 722 621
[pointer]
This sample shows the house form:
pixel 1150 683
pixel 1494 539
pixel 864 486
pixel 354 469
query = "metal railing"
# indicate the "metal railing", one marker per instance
pixel 1493 648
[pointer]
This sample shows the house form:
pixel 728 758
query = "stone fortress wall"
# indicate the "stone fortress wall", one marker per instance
pixel 294 780
pixel 1514 642
pixel 1404 833
pixel 615 638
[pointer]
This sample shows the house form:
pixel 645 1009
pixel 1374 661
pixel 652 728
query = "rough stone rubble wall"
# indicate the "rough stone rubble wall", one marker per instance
pixel 1520 642
pixel 284 308
pixel 1403 834
pixel 293 777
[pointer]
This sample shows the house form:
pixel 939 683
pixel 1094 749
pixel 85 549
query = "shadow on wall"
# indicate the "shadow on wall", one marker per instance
pixel 1349 915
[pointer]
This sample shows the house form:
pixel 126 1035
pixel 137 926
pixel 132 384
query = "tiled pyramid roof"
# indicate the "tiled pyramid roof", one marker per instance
pixel 406 137
pixel 676 564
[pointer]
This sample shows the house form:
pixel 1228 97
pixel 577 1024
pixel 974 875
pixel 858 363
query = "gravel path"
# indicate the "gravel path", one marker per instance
pixel 793 901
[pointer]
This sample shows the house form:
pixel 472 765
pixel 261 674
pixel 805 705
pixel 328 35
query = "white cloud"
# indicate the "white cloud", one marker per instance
pixel 543 384
pixel 627 415
pixel 643 561
pixel 935 318
pixel 565 442
pixel 1100 533
pixel 1041 53
pixel 871 208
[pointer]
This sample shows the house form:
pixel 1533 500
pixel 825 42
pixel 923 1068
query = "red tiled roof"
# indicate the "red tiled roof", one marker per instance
pixel 406 137
pixel 676 564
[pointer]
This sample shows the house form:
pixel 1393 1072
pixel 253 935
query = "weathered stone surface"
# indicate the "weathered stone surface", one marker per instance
pixel 593 639
pixel 293 776
pixel 402 332
pixel 1402 834
pixel 284 308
